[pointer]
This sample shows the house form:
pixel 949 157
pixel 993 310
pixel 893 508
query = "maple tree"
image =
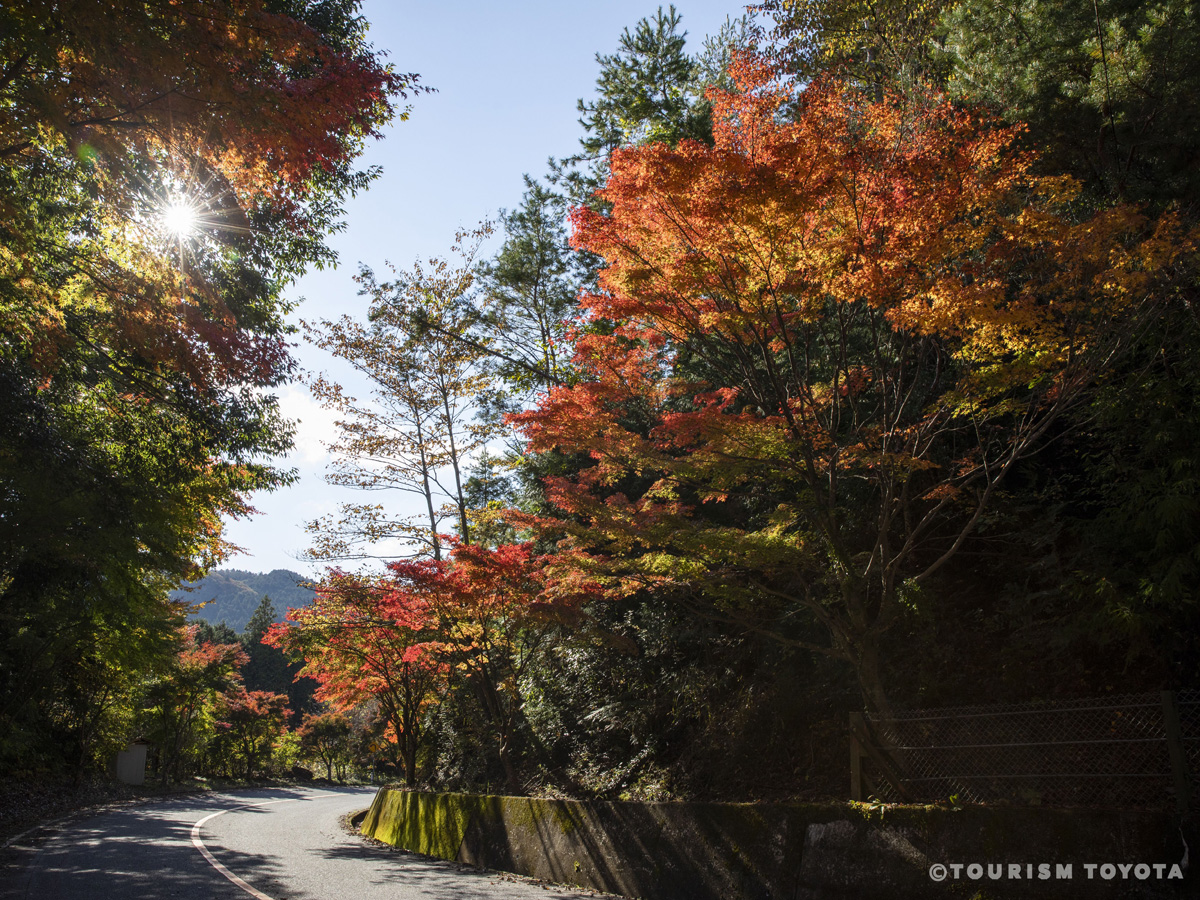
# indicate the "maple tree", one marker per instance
pixel 199 673
pixel 410 639
pixel 248 114
pixel 251 721
pixel 327 737
pixel 493 611
pixel 830 339
pixel 362 639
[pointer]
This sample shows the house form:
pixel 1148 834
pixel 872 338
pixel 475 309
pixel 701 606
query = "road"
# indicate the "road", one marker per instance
pixel 282 844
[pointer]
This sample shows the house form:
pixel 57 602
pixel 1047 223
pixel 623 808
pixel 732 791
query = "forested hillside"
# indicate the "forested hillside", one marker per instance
pixel 232 595
pixel 851 363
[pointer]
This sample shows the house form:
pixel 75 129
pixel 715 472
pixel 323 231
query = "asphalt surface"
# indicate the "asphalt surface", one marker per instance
pixel 285 844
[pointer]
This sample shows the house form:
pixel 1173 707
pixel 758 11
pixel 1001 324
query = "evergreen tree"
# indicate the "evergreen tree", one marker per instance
pixel 1108 88
pixel 649 91
pixel 529 294
pixel 268 669
pixel 489 491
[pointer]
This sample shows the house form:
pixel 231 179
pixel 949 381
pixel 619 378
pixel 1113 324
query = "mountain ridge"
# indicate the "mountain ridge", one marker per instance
pixel 232 595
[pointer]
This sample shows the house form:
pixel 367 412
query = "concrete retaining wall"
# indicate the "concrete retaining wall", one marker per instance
pixel 717 851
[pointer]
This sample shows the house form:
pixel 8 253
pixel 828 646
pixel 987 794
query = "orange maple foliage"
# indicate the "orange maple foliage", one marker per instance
pixel 494 610
pixel 362 640
pixel 199 671
pixel 258 99
pixel 166 168
pixel 822 343
pixel 252 721
pixel 250 114
pixel 476 619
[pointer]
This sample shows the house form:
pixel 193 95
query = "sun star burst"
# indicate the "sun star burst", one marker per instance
pixel 180 218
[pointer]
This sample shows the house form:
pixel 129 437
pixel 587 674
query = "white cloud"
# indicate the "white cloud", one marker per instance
pixel 315 425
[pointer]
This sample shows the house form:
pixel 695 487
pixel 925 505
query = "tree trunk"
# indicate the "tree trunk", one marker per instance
pixel 870 680
pixel 410 765
pixel 511 777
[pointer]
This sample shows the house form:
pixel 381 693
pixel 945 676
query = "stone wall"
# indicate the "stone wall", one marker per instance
pixel 719 851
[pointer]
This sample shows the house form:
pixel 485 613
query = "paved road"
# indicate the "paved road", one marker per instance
pixel 289 850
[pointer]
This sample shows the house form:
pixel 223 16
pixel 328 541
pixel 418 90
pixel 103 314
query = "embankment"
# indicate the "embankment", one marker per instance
pixel 722 851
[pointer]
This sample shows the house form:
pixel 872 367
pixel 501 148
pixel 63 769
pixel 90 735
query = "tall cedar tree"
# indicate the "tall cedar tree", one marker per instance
pixel 870 42
pixel 528 294
pixel 1107 88
pixel 649 90
pixel 268 669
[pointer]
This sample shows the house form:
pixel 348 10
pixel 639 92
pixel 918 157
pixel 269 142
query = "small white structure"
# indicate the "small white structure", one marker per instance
pixel 130 766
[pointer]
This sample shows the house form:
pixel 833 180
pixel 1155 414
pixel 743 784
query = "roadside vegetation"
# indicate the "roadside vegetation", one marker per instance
pixel 851 363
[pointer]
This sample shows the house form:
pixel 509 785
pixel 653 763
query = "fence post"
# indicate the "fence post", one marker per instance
pixel 871 749
pixel 1179 768
pixel 857 727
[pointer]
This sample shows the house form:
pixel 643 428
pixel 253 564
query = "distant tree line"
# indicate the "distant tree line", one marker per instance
pixel 228 705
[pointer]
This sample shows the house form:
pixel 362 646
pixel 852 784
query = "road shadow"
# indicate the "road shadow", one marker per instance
pixel 142 851
pixel 413 875
pixel 127 854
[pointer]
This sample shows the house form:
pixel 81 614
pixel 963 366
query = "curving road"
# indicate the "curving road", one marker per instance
pixel 281 844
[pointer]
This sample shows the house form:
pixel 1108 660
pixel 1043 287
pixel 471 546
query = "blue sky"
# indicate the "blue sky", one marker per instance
pixel 507 77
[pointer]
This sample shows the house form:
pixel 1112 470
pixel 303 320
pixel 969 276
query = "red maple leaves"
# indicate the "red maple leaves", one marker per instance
pixel 820 344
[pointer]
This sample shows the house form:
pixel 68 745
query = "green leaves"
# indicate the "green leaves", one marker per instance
pixel 648 90
pixel 1107 89
pixel 137 363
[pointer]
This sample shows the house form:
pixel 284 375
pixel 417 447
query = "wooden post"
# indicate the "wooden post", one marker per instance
pixel 857 725
pixel 868 748
pixel 1179 767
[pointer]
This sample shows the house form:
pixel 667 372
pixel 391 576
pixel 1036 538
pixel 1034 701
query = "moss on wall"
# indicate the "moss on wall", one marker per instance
pixel 433 824
pixel 716 851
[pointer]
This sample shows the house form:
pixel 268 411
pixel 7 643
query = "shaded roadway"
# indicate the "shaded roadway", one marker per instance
pixel 294 850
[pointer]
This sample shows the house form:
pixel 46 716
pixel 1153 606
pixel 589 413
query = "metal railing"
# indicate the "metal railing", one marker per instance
pixel 1135 750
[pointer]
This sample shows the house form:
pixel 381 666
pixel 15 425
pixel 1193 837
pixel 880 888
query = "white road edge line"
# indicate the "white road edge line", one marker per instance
pixel 212 860
pixel 15 840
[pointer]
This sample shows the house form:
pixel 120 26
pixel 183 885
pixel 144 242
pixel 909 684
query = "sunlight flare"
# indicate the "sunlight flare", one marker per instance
pixel 180 218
